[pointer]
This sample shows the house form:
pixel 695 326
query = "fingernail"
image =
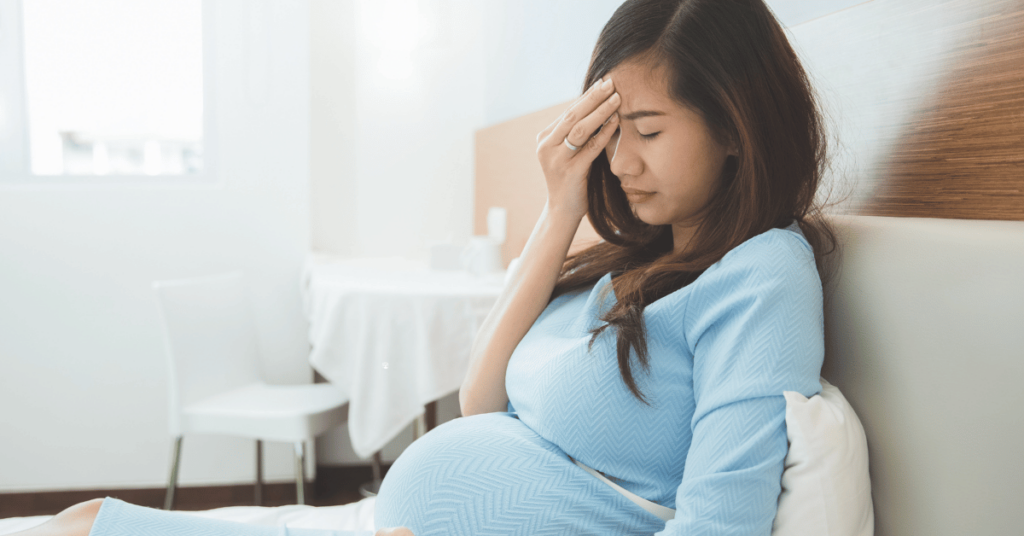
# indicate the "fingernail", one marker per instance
pixel 606 84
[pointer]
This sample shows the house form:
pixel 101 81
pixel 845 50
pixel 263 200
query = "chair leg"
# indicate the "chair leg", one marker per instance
pixel 172 482
pixel 300 471
pixel 259 472
pixel 376 467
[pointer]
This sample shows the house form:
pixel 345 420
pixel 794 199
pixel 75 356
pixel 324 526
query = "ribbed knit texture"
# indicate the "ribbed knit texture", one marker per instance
pixel 722 351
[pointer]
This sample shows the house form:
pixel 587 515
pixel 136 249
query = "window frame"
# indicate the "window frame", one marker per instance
pixel 15 164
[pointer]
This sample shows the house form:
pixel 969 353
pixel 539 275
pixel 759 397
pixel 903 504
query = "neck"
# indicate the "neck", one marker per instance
pixel 681 237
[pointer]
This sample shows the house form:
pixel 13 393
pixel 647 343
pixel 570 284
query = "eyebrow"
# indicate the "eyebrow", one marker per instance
pixel 641 113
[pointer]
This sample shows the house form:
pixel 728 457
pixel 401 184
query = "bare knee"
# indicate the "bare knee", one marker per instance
pixel 83 510
pixel 90 507
pixel 75 520
pixel 80 517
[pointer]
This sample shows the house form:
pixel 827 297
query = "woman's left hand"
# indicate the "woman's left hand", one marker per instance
pixel 394 531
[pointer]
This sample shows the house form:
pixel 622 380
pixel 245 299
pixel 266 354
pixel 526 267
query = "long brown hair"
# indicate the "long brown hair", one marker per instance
pixel 731 62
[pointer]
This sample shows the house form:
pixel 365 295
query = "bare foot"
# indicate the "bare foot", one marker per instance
pixel 72 521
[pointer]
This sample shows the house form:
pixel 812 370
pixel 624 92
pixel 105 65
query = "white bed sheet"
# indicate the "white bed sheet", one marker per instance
pixel 352 516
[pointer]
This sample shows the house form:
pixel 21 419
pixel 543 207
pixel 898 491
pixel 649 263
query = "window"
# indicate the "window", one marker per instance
pixel 101 88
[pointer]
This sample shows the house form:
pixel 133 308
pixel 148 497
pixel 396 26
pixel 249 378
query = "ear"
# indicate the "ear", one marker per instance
pixel 729 142
pixel 731 148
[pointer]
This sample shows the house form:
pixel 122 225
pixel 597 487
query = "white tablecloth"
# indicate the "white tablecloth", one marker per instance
pixel 393 335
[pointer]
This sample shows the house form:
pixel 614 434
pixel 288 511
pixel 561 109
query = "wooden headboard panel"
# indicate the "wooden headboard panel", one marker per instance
pixel 927 99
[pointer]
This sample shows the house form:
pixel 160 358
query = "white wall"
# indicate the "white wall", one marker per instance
pixel 404 165
pixel 83 383
pixel 538 51
pixel 332 126
pixel 416 108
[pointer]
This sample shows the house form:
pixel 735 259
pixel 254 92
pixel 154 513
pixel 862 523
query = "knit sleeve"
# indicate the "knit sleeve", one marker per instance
pixel 755 329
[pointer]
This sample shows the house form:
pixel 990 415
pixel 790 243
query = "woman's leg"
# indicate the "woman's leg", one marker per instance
pixel 120 518
pixel 72 521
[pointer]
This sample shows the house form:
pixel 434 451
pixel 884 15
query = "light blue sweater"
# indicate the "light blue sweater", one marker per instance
pixel 722 350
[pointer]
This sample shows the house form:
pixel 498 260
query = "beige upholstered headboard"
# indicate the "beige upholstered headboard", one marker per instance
pixel 925 338
pixel 925 320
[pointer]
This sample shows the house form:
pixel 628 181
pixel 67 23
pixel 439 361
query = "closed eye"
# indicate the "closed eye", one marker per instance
pixel 648 137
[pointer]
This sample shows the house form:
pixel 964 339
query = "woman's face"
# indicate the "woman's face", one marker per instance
pixel 664 155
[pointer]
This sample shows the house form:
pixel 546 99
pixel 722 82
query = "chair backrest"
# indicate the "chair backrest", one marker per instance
pixel 210 338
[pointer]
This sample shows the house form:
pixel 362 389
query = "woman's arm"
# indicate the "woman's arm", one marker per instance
pixel 529 288
pixel 521 302
pixel 755 329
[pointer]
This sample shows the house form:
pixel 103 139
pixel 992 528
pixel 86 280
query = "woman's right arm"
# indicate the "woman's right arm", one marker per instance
pixel 518 306
pixel 529 288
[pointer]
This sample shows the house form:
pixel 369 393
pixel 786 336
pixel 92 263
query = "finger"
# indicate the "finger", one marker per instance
pixel 580 105
pixel 547 131
pixel 580 121
pixel 599 141
pixel 586 128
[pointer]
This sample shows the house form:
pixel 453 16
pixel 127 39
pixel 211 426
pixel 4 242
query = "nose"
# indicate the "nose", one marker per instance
pixel 621 157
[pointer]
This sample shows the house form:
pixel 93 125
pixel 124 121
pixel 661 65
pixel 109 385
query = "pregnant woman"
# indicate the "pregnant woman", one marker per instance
pixel 634 387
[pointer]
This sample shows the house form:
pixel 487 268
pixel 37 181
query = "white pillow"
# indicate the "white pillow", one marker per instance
pixel 826 489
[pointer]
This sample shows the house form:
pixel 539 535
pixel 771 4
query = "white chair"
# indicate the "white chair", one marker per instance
pixel 216 386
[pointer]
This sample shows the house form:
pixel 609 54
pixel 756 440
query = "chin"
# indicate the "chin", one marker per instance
pixel 646 215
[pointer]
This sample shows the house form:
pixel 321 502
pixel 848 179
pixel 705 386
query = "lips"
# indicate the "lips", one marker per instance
pixel 635 195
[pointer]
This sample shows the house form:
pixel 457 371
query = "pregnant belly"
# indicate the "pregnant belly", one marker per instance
pixel 492 474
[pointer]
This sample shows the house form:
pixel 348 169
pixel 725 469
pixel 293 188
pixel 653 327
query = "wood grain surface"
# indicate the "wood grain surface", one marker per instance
pixel 962 154
pixel 928 102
